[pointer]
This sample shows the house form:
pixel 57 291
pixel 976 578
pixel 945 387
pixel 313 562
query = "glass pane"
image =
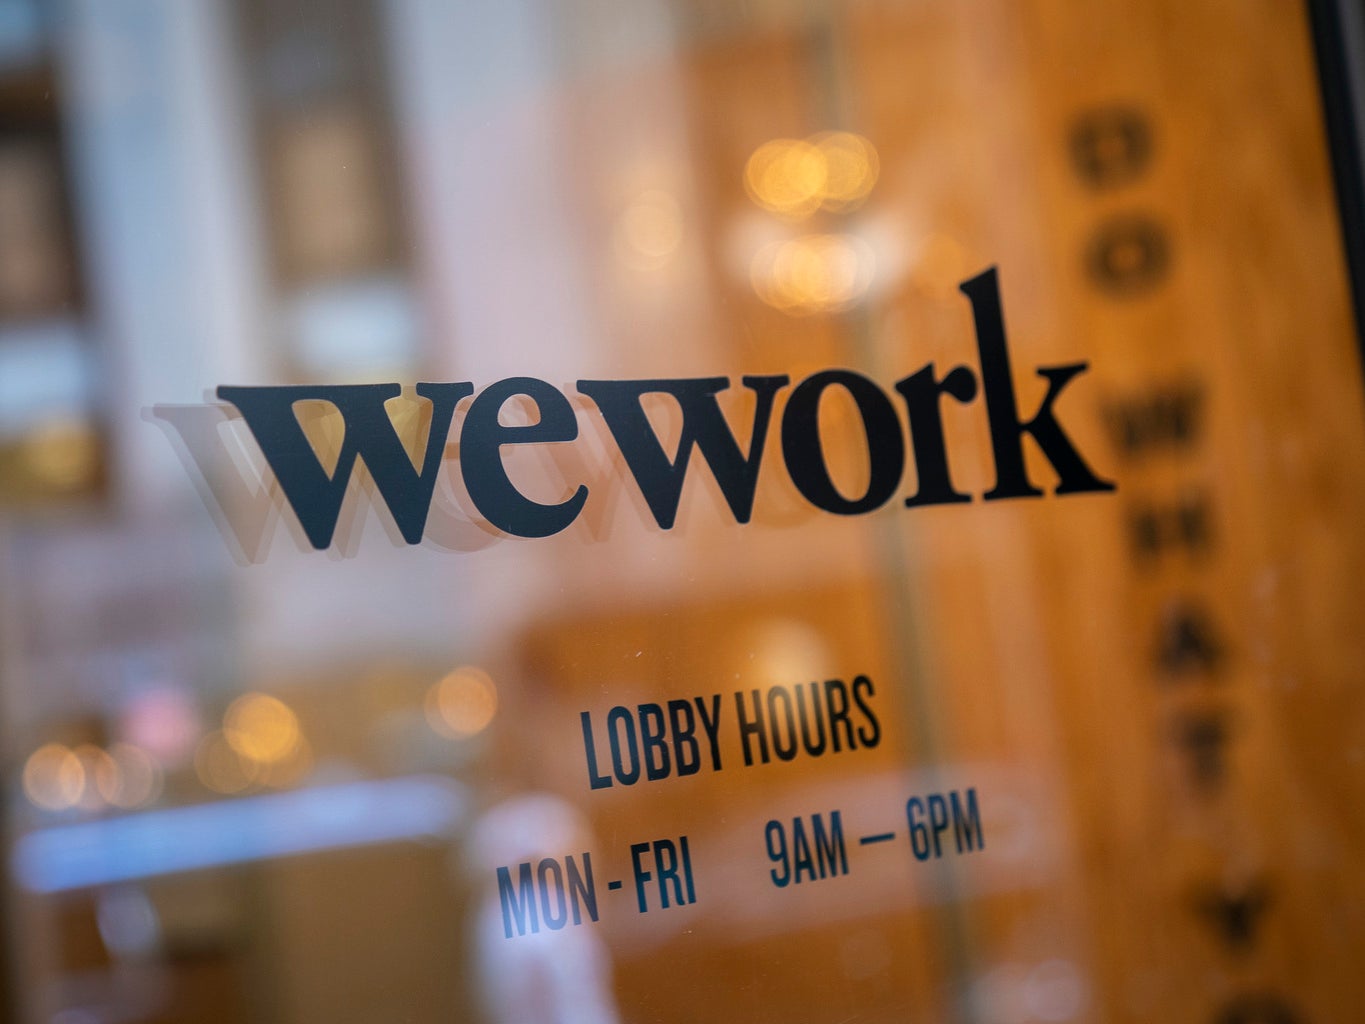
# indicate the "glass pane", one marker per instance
pixel 677 511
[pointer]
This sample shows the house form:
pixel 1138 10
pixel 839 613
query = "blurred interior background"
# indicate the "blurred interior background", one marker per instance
pixel 247 781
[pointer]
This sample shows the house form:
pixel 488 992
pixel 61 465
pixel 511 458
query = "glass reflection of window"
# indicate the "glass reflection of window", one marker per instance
pixel 51 445
pixel 323 134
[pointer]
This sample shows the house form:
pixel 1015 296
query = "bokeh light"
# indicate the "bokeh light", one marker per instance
pixel 54 777
pixel 261 728
pixel 128 777
pixel 94 763
pixel 813 273
pixel 851 169
pixel 787 177
pixel 463 703
pixel 796 177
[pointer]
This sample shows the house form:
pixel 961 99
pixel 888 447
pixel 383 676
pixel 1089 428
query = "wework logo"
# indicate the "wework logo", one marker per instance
pixel 407 487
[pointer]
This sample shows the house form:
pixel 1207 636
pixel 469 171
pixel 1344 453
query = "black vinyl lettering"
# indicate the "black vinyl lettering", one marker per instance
pixel 485 476
pixel 750 727
pixel 369 435
pixel 804 452
pixel 930 451
pixel 1002 410
pixel 871 733
pixel 660 478
pixel 838 713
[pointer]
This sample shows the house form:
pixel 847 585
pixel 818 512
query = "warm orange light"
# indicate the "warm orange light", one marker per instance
pixel 786 176
pixel 851 168
pixel 54 777
pixel 813 273
pixel 261 728
pixel 463 703
pixel 795 177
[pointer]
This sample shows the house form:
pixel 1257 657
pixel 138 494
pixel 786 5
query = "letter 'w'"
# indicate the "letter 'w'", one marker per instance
pixel 369 435
pixel 703 426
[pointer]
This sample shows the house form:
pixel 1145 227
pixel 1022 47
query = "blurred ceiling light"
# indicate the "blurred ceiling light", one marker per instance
pixel 63 454
pixel 462 704
pixel 255 828
pixel 649 230
pixel 261 728
pixel 795 177
pixel 128 777
pixel 786 176
pixel 220 767
pixel 851 169
pixel 54 777
pixel 813 273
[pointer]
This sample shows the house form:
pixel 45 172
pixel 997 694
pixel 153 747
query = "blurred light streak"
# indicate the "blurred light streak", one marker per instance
pixel 163 842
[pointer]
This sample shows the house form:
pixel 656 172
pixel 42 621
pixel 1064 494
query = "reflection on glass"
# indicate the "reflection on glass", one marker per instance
pixel 1076 757
pixel 649 230
pixel 462 703
pixel 127 777
pixel 813 273
pixel 54 777
pixel 794 178
pixel 558 974
pixel 261 728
